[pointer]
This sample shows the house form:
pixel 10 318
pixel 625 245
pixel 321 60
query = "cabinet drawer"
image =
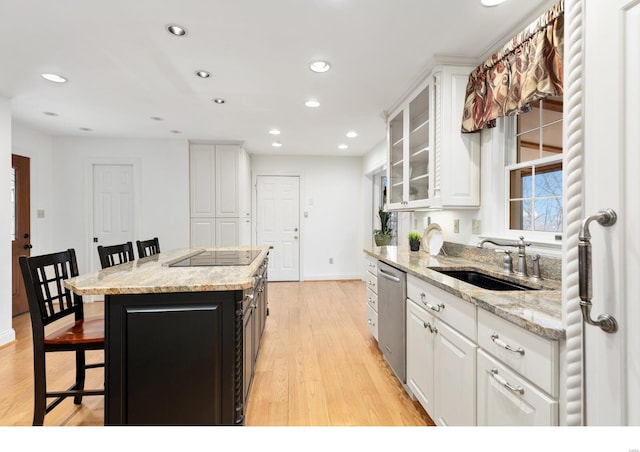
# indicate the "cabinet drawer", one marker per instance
pixel 372 299
pixel 371 264
pixel 453 310
pixel 372 321
pixel 532 356
pixel 372 282
pixel 505 398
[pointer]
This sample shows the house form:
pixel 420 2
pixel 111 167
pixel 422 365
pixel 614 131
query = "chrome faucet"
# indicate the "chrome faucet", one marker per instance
pixel 520 244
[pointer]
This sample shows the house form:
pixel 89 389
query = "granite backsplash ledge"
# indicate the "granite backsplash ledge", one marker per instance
pixel 550 266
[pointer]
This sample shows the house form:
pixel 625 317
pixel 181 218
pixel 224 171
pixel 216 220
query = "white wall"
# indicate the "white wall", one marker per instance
pixel 162 180
pixel 331 193
pixel 6 331
pixel 372 163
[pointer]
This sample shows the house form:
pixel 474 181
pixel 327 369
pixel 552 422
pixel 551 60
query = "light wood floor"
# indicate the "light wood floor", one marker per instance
pixel 318 366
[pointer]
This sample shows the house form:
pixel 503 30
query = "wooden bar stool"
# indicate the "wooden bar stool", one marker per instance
pixel 148 247
pixel 115 254
pixel 51 302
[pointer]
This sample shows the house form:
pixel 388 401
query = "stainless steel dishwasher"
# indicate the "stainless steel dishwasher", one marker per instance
pixel 392 301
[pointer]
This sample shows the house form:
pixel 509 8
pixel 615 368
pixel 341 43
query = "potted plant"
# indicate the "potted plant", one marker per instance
pixel 414 240
pixel 382 236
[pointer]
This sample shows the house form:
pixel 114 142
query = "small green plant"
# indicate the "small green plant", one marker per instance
pixel 414 236
pixel 384 223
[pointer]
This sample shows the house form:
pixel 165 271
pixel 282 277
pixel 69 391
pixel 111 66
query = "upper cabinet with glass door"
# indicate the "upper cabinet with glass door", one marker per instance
pixel 411 152
pixel 431 163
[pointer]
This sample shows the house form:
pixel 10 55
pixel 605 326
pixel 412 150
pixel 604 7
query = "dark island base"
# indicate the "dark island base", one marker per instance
pixel 174 359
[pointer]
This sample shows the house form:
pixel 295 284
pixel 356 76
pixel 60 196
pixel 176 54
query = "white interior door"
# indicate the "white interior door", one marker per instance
pixel 611 168
pixel 278 224
pixel 113 207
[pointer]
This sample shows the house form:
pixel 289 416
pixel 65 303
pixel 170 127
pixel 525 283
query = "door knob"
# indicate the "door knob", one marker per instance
pixel 295 229
pixel 295 237
pixel 27 246
pixel 26 235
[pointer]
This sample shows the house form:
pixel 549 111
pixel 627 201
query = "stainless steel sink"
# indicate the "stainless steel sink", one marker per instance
pixel 482 280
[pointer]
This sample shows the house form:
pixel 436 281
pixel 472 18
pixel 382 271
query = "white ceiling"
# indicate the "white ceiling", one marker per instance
pixel 124 67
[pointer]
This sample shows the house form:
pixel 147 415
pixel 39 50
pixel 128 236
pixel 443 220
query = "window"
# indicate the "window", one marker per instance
pixel 534 169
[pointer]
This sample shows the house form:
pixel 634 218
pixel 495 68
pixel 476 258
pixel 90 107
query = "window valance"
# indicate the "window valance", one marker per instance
pixel 526 69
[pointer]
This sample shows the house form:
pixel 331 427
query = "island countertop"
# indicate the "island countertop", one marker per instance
pixel 538 311
pixel 153 275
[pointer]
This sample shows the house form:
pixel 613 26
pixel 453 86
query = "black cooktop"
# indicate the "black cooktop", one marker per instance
pixel 215 258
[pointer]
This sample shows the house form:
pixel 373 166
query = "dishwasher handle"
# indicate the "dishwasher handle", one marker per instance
pixel 388 275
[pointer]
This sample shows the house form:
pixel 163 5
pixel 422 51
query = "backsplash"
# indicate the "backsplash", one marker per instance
pixel 550 267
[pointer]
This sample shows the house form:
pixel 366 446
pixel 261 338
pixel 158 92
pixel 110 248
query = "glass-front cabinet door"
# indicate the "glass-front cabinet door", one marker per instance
pixel 396 178
pixel 410 163
pixel 419 148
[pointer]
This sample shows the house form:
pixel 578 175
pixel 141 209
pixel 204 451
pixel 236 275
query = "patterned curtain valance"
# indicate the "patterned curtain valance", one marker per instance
pixel 526 69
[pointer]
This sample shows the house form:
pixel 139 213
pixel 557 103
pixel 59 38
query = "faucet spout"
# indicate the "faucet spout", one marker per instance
pixel 520 244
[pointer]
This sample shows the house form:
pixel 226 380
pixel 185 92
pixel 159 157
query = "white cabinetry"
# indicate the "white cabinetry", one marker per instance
pixel 220 196
pixel 430 162
pixel 518 375
pixel 441 353
pixel 410 168
pixel 371 280
pixel 457 154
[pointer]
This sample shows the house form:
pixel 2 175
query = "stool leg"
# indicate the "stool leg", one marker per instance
pixel 80 370
pixel 39 386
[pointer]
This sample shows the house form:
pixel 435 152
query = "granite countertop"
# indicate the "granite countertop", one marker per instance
pixel 538 311
pixel 153 275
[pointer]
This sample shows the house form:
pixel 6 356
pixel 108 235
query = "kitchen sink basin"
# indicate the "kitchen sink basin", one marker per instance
pixel 483 280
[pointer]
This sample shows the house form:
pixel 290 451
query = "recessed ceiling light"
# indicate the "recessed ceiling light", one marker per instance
pixel 203 74
pixel 352 134
pixel 156 118
pixel 86 129
pixel 274 132
pixel 176 131
pixel 217 100
pixel 319 66
pixel 312 103
pixel 49 113
pixel 491 2
pixel 276 144
pixel 342 146
pixel 176 30
pixel 54 78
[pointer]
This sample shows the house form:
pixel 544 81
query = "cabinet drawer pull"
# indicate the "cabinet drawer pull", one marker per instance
pixel 496 339
pixel 436 308
pixel 370 322
pixel 505 383
pixel 433 329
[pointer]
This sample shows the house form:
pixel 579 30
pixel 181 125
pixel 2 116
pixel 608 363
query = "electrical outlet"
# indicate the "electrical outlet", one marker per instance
pixel 331 260
pixel 476 227
pixel 456 226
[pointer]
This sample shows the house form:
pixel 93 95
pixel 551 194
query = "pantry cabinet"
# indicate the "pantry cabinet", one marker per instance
pixel 220 195
pixel 430 162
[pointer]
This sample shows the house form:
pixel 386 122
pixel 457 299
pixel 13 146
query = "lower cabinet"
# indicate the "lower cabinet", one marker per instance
pixel 208 232
pixel 254 320
pixel 518 375
pixel 440 368
pixel 506 398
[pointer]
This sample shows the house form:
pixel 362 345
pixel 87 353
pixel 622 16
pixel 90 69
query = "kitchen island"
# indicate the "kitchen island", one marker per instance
pixel 182 331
